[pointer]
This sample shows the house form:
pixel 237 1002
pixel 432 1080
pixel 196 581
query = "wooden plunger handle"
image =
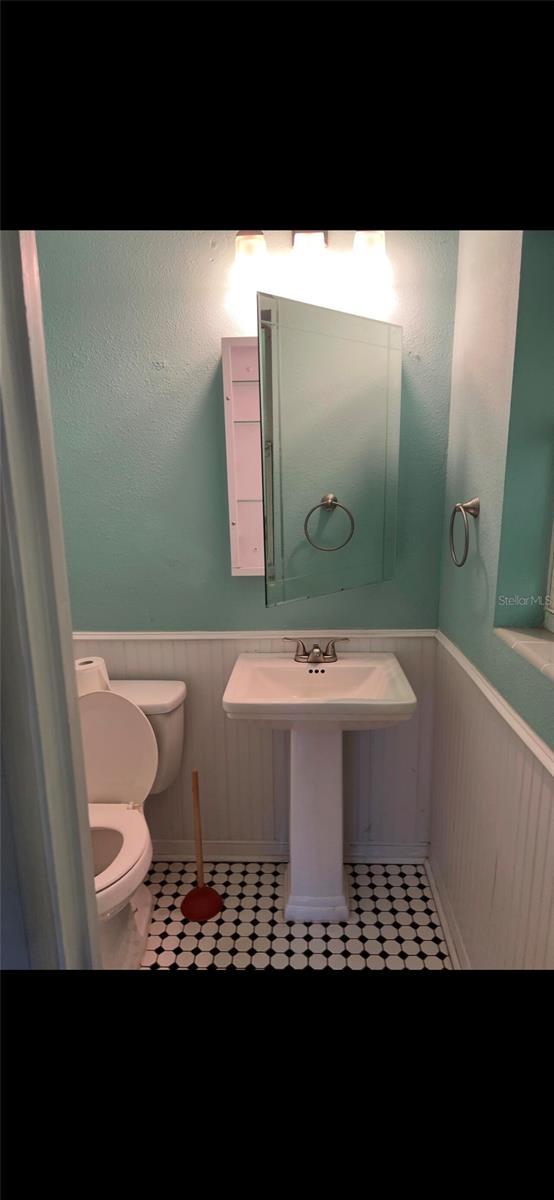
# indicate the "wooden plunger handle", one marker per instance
pixel 197 829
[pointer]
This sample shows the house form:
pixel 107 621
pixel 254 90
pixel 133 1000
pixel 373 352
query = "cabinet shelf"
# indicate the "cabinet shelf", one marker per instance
pixel 244 455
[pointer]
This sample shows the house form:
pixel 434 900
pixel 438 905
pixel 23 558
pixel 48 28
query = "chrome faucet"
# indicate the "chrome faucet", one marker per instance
pixel 316 654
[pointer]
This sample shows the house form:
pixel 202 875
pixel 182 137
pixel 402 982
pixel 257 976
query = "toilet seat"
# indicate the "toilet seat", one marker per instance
pixel 132 826
pixel 121 760
pixel 123 877
pixel 120 749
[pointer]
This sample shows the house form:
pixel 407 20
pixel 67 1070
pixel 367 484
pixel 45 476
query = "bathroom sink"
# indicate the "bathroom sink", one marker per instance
pixel 359 691
pixel 317 701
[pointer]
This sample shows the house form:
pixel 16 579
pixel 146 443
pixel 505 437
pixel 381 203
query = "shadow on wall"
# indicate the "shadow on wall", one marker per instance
pixel 13 953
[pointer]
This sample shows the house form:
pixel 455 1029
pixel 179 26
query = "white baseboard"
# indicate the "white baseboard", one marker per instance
pixel 389 852
pixel 354 852
pixel 182 850
pixel 450 927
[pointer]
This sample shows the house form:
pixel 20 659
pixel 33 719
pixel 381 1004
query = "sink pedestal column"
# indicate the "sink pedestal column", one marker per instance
pixel 315 887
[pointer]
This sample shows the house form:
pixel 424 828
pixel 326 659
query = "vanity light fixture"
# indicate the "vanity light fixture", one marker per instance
pixel 309 241
pixel 249 243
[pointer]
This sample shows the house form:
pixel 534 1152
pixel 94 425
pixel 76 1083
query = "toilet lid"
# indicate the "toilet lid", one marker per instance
pixel 134 832
pixel 120 749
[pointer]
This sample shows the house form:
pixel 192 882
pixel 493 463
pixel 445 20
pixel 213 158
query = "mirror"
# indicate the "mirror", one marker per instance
pixel 330 412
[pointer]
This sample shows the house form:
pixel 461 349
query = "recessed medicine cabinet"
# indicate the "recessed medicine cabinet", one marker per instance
pixel 312 420
pixel 241 397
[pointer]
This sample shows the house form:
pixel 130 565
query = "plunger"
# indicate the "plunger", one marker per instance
pixel 201 903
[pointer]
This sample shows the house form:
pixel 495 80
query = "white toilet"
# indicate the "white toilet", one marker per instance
pixel 132 736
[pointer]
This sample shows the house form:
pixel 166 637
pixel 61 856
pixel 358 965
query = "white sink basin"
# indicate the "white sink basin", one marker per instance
pixel 359 691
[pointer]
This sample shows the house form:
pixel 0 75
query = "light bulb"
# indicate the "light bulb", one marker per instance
pixel 308 241
pixel 249 243
pixel 369 241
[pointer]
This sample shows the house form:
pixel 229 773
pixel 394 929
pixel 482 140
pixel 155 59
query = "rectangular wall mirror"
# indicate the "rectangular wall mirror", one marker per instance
pixel 330 422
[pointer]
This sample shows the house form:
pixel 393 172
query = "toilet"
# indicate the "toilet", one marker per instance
pixel 132 734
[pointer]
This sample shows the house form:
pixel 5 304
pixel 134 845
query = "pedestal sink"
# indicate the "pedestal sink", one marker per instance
pixel 359 691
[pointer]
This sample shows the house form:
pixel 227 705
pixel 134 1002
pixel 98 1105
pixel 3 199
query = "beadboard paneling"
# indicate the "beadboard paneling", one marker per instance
pixel 244 768
pixel 492 830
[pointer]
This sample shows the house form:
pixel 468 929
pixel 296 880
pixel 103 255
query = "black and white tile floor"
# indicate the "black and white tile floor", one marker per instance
pixel 393 924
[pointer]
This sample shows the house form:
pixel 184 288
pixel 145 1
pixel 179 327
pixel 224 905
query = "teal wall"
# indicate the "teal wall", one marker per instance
pixel 133 323
pixel 529 484
pixel 482 369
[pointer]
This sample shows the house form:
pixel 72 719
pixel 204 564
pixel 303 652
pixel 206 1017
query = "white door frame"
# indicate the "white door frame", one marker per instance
pixel 42 757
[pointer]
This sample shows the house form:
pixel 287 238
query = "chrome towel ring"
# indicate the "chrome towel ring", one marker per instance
pixel 329 501
pixel 472 507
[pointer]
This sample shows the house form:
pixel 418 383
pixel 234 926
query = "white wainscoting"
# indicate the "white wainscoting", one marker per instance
pixel 492 829
pixel 244 769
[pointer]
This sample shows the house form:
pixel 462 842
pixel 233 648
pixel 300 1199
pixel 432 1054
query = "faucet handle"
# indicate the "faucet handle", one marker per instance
pixel 300 648
pixel 330 647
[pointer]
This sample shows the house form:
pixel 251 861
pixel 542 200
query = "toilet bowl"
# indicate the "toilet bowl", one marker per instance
pixel 121 762
pixel 121 852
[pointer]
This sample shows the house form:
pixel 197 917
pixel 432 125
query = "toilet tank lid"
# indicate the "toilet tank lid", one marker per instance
pixel 152 695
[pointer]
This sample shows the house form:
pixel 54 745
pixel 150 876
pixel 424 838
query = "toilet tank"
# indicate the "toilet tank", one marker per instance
pixel 162 701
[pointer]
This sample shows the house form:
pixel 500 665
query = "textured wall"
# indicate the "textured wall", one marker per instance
pixel 133 323
pixel 482 367
pixel 529 483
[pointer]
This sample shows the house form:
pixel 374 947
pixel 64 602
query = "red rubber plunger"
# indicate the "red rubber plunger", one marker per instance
pixel 201 903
